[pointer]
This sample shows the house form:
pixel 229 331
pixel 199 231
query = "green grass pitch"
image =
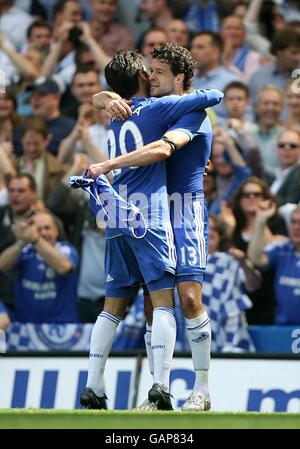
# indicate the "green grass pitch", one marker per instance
pixel 93 419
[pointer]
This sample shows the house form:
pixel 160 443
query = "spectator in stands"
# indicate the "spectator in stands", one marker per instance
pixel 8 122
pixel 4 317
pixel 46 284
pixel 34 7
pixel 178 33
pixel 67 11
pixel 236 50
pixel 236 95
pixel 240 9
pixel 228 272
pixel 204 15
pixel 293 104
pixel 283 258
pixel 268 107
pixel 14 23
pixel 89 136
pixel 67 18
pixel 44 167
pixel 286 49
pixel 39 33
pixel 207 49
pixel 108 33
pixel 229 165
pixel 29 65
pixel 22 204
pixel 286 185
pixel 153 38
pixel 45 99
pixel 240 220
pixel 84 85
pixel 158 12
pixel 262 20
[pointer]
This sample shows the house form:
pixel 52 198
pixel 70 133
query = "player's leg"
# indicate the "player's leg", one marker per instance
pixel 121 273
pixel 148 309
pixel 103 333
pixel 199 335
pixel 191 244
pixel 156 257
pixel 163 338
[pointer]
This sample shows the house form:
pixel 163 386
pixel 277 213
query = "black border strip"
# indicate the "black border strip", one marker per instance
pixel 216 355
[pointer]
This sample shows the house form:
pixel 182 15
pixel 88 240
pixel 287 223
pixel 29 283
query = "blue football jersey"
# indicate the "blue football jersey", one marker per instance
pixel 186 167
pixel 151 118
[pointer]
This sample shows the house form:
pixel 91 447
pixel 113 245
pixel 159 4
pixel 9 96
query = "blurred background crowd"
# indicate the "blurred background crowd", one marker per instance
pixel 52 59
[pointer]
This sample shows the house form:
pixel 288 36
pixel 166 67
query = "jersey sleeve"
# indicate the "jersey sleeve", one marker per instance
pixel 175 106
pixel 193 124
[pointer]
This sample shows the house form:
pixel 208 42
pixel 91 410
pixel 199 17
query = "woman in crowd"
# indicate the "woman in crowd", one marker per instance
pixel 240 219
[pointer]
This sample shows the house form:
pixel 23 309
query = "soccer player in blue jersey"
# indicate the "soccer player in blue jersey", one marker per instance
pixel 185 171
pixel 153 258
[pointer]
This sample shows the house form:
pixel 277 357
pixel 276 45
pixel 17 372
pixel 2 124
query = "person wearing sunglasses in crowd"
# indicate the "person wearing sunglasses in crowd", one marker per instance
pixel 247 202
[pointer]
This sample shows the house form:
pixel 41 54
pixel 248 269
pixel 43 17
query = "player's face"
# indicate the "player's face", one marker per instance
pixel 162 80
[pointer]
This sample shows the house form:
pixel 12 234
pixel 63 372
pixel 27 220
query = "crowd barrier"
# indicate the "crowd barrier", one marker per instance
pixel 239 382
pixel 76 337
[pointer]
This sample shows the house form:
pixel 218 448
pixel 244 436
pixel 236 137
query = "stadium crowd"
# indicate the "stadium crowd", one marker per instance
pixel 52 60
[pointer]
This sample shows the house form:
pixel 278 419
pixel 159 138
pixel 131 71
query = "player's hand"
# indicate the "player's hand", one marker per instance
pixel 119 109
pixel 95 170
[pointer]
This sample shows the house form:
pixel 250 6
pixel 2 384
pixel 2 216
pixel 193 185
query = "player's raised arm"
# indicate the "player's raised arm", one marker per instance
pixel 175 106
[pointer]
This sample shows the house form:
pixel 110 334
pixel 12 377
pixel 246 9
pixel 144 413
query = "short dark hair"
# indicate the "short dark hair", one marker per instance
pixel 237 85
pixel 38 23
pixel 180 60
pixel 31 180
pixel 284 39
pixel 122 72
pixel 216 39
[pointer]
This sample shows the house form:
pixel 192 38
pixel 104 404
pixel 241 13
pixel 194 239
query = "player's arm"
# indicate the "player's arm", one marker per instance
pixel 148 154
pixel 115 105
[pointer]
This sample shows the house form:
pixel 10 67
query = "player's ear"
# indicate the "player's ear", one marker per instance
pixel 144 75
pixel 180 77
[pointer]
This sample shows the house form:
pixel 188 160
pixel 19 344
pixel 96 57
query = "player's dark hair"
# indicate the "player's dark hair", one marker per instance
pixel 122 72
pixel 180 60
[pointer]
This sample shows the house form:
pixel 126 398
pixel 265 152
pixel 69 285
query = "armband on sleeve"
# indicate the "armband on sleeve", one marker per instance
pixel 172 144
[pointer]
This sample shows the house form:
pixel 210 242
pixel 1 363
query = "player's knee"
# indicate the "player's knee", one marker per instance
pixel 190 304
